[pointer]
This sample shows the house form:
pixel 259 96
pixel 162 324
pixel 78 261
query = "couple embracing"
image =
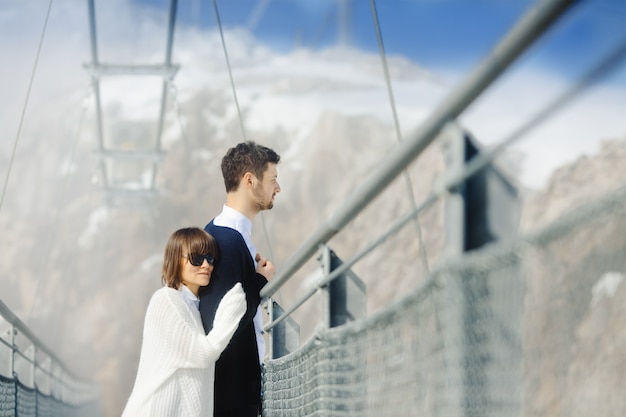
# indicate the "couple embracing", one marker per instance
pixel 202 344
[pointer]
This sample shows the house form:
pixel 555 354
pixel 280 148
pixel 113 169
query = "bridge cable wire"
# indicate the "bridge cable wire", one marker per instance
pixel 61 200
pixel 241 123
pixel 21 123
pixel 610 62
pixel 230 72
pixel 407 177
pixel 171 23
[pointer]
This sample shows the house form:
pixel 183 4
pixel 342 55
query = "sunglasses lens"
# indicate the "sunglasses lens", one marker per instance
pixel 197 260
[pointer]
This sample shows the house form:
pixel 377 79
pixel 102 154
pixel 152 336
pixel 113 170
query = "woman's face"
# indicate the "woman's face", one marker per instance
pixel 198 275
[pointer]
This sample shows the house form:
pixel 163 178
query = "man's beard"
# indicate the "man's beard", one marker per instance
pixel 261 205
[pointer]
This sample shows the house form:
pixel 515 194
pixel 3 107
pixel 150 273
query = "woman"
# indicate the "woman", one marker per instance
pixel 177 362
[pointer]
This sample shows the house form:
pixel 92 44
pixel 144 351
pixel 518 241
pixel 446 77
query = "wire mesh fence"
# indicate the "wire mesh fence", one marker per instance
pixel 529 327
pixel 17 400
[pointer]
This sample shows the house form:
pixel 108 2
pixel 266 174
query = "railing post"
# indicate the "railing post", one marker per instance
pixel 344 297
pixel 31 365
pixel 24 366
pixel 450 400
pixel 9 337
pixel 324 259
pixel 483 210
pixel 345 301
pixel 54 383
pixel 285 336
pixel 63 390
pixel 46 370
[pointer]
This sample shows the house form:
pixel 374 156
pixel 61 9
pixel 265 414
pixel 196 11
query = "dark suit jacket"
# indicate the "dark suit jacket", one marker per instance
pixel 237 371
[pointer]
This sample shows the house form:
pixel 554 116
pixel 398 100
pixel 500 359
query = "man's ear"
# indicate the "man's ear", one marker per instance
pixel 248 180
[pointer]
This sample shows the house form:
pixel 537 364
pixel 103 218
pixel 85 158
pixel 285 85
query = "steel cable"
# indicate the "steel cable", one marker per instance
pixel 21 122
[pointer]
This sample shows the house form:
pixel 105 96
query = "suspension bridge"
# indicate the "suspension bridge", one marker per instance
pixel 496 321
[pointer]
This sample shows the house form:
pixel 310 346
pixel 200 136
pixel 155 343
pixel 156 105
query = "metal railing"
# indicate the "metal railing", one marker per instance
pixel 27 361
pixel 454 346
pixel 527 30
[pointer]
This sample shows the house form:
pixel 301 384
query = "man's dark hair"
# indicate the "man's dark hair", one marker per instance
pixel 246 157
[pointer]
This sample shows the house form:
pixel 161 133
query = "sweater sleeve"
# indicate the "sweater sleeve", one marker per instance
pixel 229 313
pixel 176 342
pixel 169 340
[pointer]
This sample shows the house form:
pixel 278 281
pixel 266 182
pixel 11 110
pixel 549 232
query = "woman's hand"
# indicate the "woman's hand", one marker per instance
pixel 227 317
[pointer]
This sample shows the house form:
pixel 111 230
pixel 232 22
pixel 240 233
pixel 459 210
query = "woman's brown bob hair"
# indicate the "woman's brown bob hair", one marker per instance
pixel 181 243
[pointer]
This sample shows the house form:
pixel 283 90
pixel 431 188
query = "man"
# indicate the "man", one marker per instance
pixel 250 176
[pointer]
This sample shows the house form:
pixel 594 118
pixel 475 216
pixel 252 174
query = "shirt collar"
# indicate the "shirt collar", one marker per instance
pixel 230 217
pixel 189 296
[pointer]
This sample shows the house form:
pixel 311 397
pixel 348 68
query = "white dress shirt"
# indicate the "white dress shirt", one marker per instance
pixel 190 298
pixel 229 217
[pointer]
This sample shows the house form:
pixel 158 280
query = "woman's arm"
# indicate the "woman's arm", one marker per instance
pixel 177 343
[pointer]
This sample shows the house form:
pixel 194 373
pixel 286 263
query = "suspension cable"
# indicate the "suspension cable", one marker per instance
pixel 230 72
pixel 30 85
pixel 241 123
pixel 407 177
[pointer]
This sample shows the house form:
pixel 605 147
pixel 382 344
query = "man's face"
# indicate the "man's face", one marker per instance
pixel 266 188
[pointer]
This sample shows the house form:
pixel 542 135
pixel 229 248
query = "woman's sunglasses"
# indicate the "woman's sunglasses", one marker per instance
pixel 197 259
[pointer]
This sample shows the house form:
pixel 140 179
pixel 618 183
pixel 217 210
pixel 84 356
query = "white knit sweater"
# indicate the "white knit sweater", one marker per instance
pixel 177 362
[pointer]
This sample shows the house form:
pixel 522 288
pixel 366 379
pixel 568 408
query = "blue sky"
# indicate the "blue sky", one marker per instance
pixel 433 33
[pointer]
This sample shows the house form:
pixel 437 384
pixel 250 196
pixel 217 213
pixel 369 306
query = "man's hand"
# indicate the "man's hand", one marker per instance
pixel 264 267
